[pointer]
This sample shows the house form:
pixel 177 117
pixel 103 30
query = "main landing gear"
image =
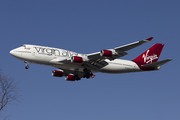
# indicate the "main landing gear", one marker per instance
pixel 26 67
pixel 88 73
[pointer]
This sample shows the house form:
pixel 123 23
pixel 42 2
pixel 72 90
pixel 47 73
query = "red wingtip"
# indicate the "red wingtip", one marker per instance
pixel 149 39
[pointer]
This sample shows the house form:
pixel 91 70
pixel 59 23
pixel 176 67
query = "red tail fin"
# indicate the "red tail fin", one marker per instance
pixel 151 55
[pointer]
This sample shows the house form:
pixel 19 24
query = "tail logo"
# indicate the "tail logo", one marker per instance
pixel 149 59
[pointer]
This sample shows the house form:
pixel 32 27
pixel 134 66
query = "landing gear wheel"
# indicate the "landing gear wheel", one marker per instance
pixel 88 73
pixel 27 67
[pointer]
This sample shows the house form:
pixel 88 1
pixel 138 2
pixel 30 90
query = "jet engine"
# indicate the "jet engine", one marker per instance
pixel 77 59
pixel 70 77
pixel 57 73
pixel 108 53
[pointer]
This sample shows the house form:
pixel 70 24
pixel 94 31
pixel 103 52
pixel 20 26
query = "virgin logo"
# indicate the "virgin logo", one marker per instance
pixel 149 59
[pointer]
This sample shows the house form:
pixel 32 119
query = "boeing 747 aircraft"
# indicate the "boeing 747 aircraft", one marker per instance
pixel 75 66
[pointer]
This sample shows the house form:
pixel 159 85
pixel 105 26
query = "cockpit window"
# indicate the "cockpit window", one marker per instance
pixel 26 47
pixel 23 46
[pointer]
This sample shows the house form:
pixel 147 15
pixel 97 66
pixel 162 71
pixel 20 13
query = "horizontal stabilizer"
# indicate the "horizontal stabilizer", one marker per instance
pixel 156 64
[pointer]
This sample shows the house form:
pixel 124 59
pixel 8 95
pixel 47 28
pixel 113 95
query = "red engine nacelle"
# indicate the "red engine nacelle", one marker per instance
pixel 57 73
pixel 108 53
pixel 77 59
pixel 70 77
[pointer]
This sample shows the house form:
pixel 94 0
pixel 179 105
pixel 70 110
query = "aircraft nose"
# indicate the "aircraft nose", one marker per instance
pixel 11 52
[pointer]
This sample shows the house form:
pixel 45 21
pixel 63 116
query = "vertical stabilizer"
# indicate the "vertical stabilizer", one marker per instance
pixel 151 55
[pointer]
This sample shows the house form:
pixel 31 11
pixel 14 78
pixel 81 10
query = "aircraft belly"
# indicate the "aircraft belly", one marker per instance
pixel 120 66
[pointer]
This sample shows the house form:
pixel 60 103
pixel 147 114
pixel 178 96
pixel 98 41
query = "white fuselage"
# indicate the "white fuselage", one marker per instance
pixel 55 57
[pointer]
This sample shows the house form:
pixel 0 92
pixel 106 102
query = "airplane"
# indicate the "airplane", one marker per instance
pixel 75 66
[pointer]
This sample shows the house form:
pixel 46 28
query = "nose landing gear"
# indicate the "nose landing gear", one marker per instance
pixel 26 67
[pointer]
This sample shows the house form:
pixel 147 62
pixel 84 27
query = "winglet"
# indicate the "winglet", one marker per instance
pixel 149 39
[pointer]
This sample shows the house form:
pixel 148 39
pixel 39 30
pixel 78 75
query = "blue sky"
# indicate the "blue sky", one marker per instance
pixel 86 27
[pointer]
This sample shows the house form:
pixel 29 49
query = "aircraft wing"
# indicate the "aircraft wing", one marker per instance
pixel 132 45
pixel 120 50
pixel 97 60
